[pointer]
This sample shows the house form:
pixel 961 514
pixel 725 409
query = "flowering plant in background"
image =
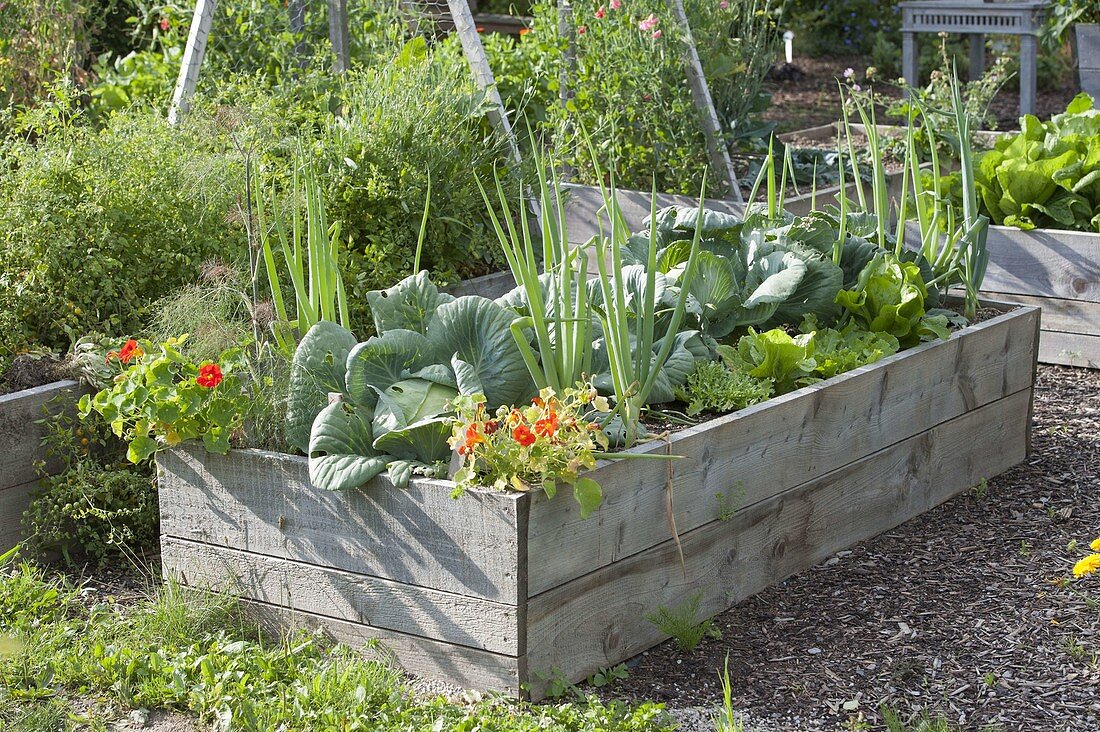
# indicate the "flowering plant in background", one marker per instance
pixel 158 398
pixel 548 443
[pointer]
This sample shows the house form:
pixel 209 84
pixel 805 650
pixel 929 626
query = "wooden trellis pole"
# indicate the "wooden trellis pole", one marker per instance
pixel 478 60
pixel 192 58
pixel 195 49
pixel 700 93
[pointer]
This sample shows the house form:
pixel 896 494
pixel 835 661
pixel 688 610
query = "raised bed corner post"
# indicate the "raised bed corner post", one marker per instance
pixel 192 59
pixel 704 103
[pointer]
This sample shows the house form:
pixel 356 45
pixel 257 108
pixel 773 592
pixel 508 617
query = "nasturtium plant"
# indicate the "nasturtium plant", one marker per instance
pixel 160 398
pixel 550 443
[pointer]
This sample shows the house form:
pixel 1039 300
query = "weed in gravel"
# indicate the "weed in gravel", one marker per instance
pixel 1077 651
pixel 605 676
pixel 727 721
pixel 682 624
pixel 908 670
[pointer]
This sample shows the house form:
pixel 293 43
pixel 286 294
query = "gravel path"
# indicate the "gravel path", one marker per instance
pixel 956 612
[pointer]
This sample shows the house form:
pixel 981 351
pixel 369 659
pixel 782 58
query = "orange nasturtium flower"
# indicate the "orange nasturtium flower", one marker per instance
pixel 547 426
pixel 523 435
pixel 473 437
pixel 210 375
pixel 1087 566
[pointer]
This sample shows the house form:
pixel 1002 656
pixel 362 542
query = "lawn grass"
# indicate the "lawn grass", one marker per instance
pixel 200 654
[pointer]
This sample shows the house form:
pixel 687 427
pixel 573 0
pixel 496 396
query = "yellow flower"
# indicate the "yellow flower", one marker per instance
pixel 1095 545
pixel 1087 566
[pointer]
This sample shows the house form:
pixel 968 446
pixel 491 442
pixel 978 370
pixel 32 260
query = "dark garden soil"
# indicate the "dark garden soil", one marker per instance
pixel 27 371
pixel 957 612
pixel 812 99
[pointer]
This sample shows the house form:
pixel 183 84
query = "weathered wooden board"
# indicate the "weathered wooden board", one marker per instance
pixel 20 432
pixel 333 593
pixel 1070 349
pixel 599 619
pixel 827 134
pixel 491 286
pixel 1071 329
pixel 20 435
pixel 263 503
pixel 433 659
pixel 754 454
pixel 1063 316
pixel 583 206
pixel 1043 263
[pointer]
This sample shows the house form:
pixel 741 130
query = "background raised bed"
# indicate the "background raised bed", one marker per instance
pixel 20 435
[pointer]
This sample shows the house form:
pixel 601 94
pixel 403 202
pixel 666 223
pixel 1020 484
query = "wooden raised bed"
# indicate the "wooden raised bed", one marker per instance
pixel 503 590
pixel 1055 270
pixel 1058 271
pixel 20 434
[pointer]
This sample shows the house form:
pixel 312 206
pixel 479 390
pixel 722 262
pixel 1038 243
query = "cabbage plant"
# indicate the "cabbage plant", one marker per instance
pixel 358 409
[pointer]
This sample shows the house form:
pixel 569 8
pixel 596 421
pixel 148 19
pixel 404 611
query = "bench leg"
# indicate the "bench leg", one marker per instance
pixel 1028 47
pixel 909 59
pixel 977 56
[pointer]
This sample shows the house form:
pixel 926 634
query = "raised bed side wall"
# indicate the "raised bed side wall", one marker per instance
pixel 20 435
pixel 508 591
pixel 1057 271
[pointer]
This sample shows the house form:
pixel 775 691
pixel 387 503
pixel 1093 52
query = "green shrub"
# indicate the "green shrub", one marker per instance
pixel 98 506
pixel 96 225
pixel 418 117
pixel 94 511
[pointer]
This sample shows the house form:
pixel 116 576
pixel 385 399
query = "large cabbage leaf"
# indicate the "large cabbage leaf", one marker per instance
pixel 408 305
pixel 384 360
pixel 319 367
pixel 476 330
pixel 341 455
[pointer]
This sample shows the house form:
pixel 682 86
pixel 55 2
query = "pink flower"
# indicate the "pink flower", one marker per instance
pixel 725 4
pixel 581 30
pixel 601 13
pixel 616 4
pixel 649 23
pixel 164 24
pixel 656 34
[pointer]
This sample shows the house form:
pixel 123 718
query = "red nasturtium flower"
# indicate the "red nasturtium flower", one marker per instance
pixel 130 350
pixel 210 375
pixel 523 435
pixel 491 426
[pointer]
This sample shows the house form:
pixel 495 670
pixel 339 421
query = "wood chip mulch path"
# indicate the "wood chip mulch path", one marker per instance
pixel 955 612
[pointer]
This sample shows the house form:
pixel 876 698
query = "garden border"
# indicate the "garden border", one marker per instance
pixel 508 591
